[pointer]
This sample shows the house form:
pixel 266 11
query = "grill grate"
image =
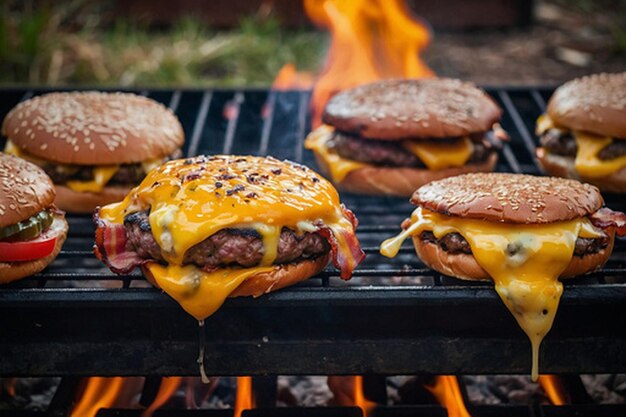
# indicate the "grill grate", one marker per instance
pixel 394 317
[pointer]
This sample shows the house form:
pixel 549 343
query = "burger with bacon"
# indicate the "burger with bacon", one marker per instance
pixel 390 137
pixel 523 232
pixel 95 146
pixel 207 228
pixel 32 229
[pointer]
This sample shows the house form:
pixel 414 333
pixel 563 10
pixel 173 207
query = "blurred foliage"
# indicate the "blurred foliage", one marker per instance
pixel 80 42
pixel 612 11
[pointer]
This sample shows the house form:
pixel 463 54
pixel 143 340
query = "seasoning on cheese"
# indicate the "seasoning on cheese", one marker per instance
pixel 524 261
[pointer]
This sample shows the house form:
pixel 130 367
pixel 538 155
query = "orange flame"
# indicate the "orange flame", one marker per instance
pixel 166 390
pixel 289 78
pixel 244 398
pixel 370 40
pixel 446 390
pixel 359 397
pixel 99 393
pixel 348 391
pixel 8 386
pixel 554 389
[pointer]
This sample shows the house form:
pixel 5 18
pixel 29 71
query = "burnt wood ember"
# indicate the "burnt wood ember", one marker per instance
pixel 395 317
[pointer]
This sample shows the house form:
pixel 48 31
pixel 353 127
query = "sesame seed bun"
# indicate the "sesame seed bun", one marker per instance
pixel 595 103
pixel 510 198
pixel 423 108
pixel 25 190
pixel 93 128
pixel 564 166
pixel 399 181
pixel 12 271
pixel 464 266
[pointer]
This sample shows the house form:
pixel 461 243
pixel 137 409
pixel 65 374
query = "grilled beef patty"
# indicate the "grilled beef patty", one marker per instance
pixel 126 174
pixel 562 143
pixel 455 243
pixel 392 153
pixel 243 247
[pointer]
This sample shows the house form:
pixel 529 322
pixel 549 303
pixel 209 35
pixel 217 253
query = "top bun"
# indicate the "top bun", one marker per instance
pixel 93 128
pixel 401 109
pixel 595 103
pixel 25 190
pixel 509 198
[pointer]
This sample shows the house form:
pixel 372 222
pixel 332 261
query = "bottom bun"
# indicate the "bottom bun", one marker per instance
pixel 12 271
pixel 399 181
pixel 563 166
pixel 75 202
pixel 280 277
pixel 465 266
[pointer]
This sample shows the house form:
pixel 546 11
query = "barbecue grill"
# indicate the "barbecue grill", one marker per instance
pixel 395 317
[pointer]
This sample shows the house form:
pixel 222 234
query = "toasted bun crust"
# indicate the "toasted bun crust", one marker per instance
pixel 400 109
pixel 75 202
pixel 12 271
pixel 401 181
pixel 563 166
pixel 595 103
pixel 464 266
pixel 509 198
pixel 282 276
pixel 25 190
pixel 93 128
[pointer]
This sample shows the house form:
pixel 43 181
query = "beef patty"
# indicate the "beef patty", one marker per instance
pixel 455 243
pixel 228 247
pixel 392 153
pixel 562 143
pixel 126 174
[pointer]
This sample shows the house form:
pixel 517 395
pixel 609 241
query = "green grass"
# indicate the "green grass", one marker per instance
pixel 68 44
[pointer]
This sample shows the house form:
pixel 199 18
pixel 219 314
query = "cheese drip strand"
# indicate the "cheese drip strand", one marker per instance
pixel 524 261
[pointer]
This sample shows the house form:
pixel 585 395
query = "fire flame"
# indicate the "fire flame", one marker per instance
pixel 99 393
pixel 244 398
pixel 348 391
pixel 554 389
pixel 166 390
pixel 370 40
pixel 446 390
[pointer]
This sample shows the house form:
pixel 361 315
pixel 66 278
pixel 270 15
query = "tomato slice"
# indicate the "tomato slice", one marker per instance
pixel 28 250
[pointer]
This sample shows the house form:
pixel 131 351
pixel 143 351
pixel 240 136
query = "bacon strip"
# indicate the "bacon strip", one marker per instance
pixel 110 246
pixel 606 218
pixel 345 249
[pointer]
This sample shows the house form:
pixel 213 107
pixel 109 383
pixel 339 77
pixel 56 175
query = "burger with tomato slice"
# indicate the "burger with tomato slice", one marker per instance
pixel 32 229
pixel 211 227
pixel 95 146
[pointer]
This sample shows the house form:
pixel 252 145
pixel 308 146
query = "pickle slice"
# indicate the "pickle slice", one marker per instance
pixel 29 228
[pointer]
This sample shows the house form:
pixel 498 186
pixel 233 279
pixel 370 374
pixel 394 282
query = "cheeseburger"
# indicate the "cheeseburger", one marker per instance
pixel 583 133
pixel 95 146
pixel 392 136
pixel 207 228
pixel 32 229
pixel 521 231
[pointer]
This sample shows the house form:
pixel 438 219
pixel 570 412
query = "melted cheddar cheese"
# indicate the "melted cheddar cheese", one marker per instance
pixel 338 167
pixel 587 162
pixel 524 261
pixel 442 155
pixel 102 174
pixel 434 155
pixel 200 293
pixel 190 201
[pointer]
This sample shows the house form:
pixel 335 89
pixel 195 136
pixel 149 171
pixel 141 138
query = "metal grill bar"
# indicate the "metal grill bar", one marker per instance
pixel 420 320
